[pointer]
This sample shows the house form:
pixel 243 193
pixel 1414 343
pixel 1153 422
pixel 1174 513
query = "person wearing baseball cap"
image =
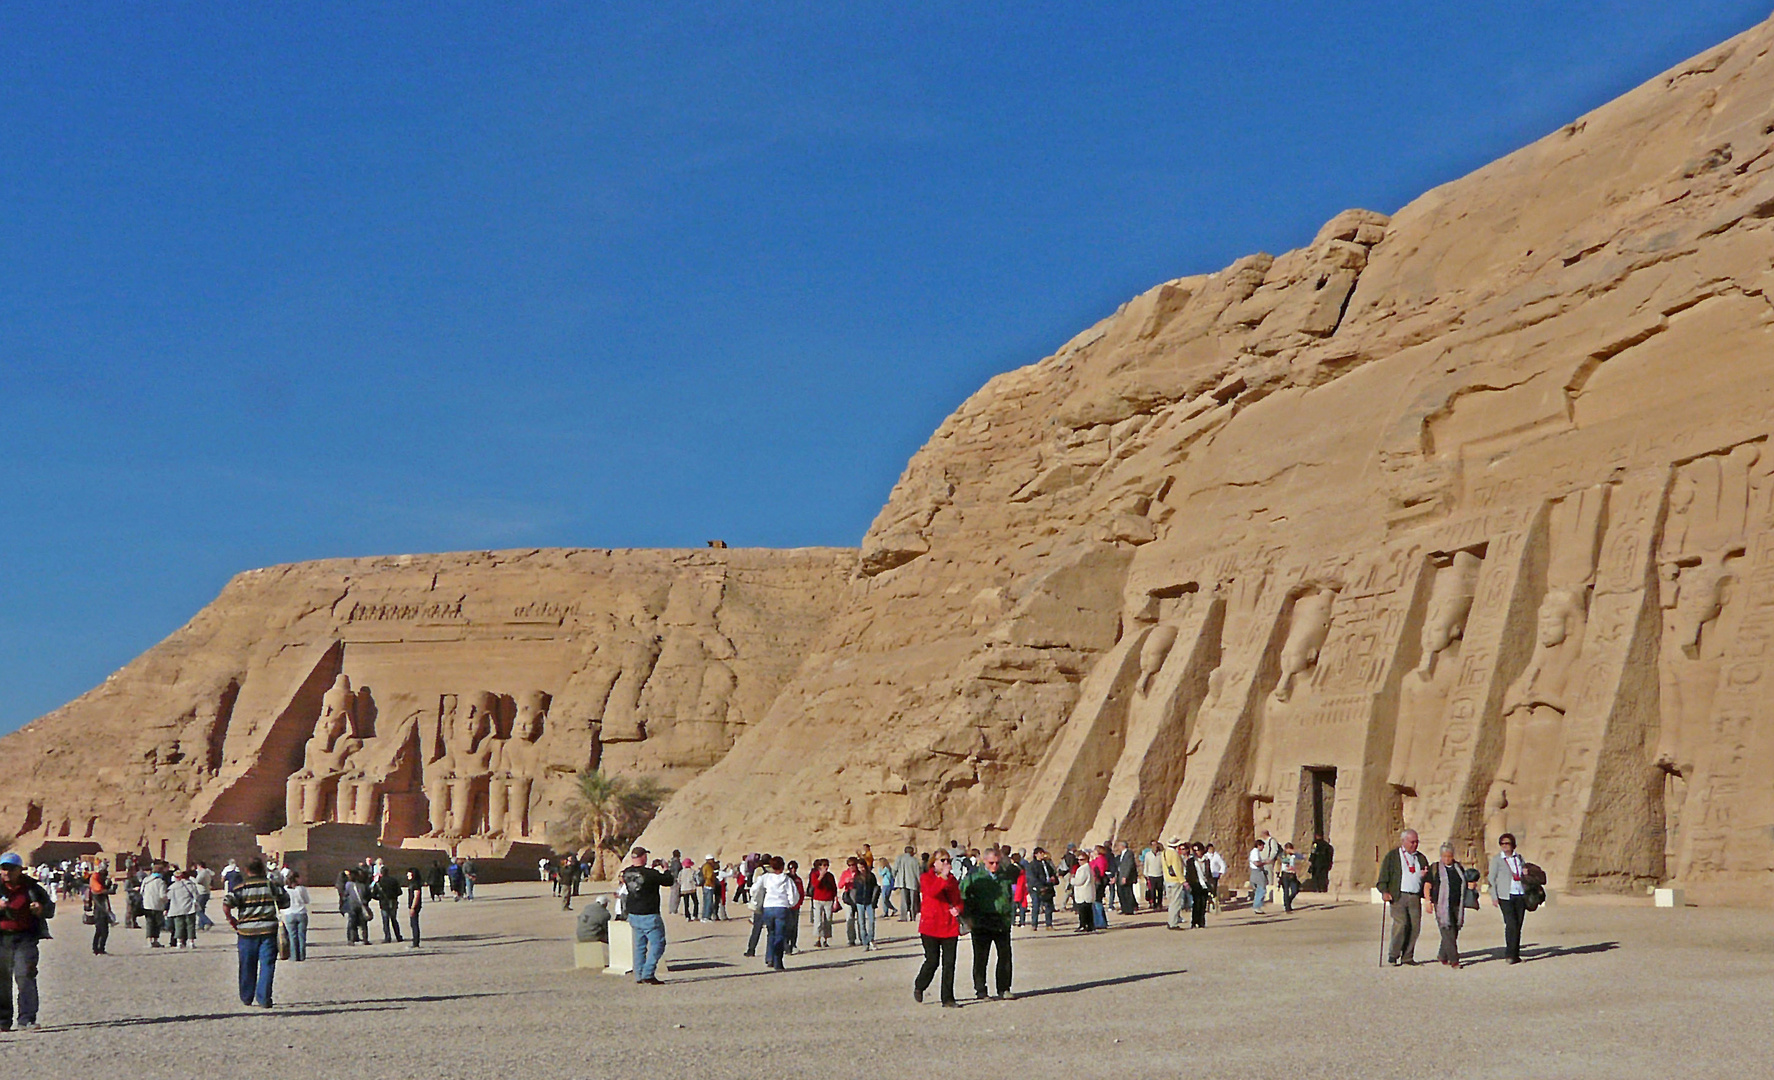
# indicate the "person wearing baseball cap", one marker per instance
pixel 25 911
pixel 642 904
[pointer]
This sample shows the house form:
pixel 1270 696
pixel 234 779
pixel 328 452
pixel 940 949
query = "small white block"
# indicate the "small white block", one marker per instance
pixel 621 948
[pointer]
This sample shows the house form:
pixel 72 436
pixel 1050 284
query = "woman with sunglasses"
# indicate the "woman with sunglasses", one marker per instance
pixel 939 925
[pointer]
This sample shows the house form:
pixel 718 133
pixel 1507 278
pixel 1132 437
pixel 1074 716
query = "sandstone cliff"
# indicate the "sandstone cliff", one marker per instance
pixel 544 661
pixel 1459 518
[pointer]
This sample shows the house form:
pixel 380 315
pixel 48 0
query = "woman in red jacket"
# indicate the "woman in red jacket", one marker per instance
pixel 939 924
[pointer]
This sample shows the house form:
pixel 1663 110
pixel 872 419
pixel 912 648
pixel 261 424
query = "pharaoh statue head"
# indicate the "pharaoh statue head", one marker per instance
pixel 531 708
pixel 1558 617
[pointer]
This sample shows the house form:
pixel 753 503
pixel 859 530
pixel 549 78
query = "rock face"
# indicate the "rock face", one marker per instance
pixel 446 696
pixel 1459 518
pixel 1462 518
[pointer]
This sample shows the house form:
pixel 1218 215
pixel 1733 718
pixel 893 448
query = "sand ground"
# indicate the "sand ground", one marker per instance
pixel 1610 990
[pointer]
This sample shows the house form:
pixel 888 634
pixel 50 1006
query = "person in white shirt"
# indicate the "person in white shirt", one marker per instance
pixel 1509 892
pixel 1401 885
pixel 1259 877
pixel 295 917
pixel 781 897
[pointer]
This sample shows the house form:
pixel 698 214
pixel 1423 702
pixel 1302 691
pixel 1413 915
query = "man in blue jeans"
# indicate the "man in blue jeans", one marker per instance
pixel 251 909
pixel 644 916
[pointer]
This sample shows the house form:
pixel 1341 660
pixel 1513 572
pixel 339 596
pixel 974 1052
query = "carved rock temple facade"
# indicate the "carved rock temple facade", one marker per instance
pixel 443 703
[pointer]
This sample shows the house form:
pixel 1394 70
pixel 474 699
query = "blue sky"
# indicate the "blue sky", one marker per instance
pixel 293 281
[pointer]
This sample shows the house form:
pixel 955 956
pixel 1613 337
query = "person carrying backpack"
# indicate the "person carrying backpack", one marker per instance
pixel 25 911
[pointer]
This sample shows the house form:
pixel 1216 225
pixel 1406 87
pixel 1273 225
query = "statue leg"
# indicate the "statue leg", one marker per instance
pixel 497 794
pixel 461 798
pixel 367 803
pixel 437 799
pixel 311 801
pixel 292 802
pixel 518 811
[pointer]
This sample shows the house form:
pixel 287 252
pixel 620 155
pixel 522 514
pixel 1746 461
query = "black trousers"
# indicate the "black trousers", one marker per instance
pixel 1514 909
pixel 938 951
pixel 101 928
pixel 1198 908
pixel 1290 888
pixel 1450 945
pixel 983 941
pixel 413 922
pixel 1086 916
pixel 1128 905
pixel 390 925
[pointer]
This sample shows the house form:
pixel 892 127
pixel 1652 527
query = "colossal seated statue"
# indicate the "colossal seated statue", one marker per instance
pixel 309 792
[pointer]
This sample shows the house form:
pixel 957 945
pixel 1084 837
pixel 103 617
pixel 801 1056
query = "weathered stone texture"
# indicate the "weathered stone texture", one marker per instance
pixel 1460 517
pixel 447 695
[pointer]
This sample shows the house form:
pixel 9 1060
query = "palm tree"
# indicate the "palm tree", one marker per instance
pixel 605 813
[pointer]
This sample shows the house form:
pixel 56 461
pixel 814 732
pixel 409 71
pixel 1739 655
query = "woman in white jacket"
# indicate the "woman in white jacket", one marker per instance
pixel 1084 896
pixel 295 917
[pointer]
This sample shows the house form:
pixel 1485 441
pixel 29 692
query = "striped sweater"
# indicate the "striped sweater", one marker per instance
pixel 252 905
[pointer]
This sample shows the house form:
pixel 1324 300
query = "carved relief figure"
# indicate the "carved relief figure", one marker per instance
pixel 623 721
pixel 456 781
pixel 308 795
pixel 1534 707
pixel 1305 637
pixel 1153 653
pixel 517 762
pixel 1714 503
pixel 1307 629
pixel 1424 693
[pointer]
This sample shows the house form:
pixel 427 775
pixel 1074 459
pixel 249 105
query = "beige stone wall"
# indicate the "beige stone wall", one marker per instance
pixel 331 691
pixel 1459 518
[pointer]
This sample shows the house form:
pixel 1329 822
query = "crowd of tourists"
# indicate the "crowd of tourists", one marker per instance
pixel 948 893
pixel 952 891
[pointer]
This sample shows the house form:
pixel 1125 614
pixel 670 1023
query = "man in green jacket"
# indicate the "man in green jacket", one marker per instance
pixel 1402 872
pixel 988 901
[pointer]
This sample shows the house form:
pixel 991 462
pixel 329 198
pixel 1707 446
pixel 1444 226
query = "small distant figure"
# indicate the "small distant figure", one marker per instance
pixel 717 543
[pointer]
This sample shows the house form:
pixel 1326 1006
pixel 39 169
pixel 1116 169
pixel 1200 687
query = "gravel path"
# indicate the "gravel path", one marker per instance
pixel 1611 990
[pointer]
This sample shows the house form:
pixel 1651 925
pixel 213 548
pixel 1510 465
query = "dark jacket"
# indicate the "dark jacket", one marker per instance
pixel 989 899
pixel 386 892
pixel 1196 873
pixel 864 890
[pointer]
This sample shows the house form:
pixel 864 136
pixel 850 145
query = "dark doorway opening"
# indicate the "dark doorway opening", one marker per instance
pixel 1321 802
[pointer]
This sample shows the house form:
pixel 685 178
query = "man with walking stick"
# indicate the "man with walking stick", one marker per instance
pixel 1401 887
